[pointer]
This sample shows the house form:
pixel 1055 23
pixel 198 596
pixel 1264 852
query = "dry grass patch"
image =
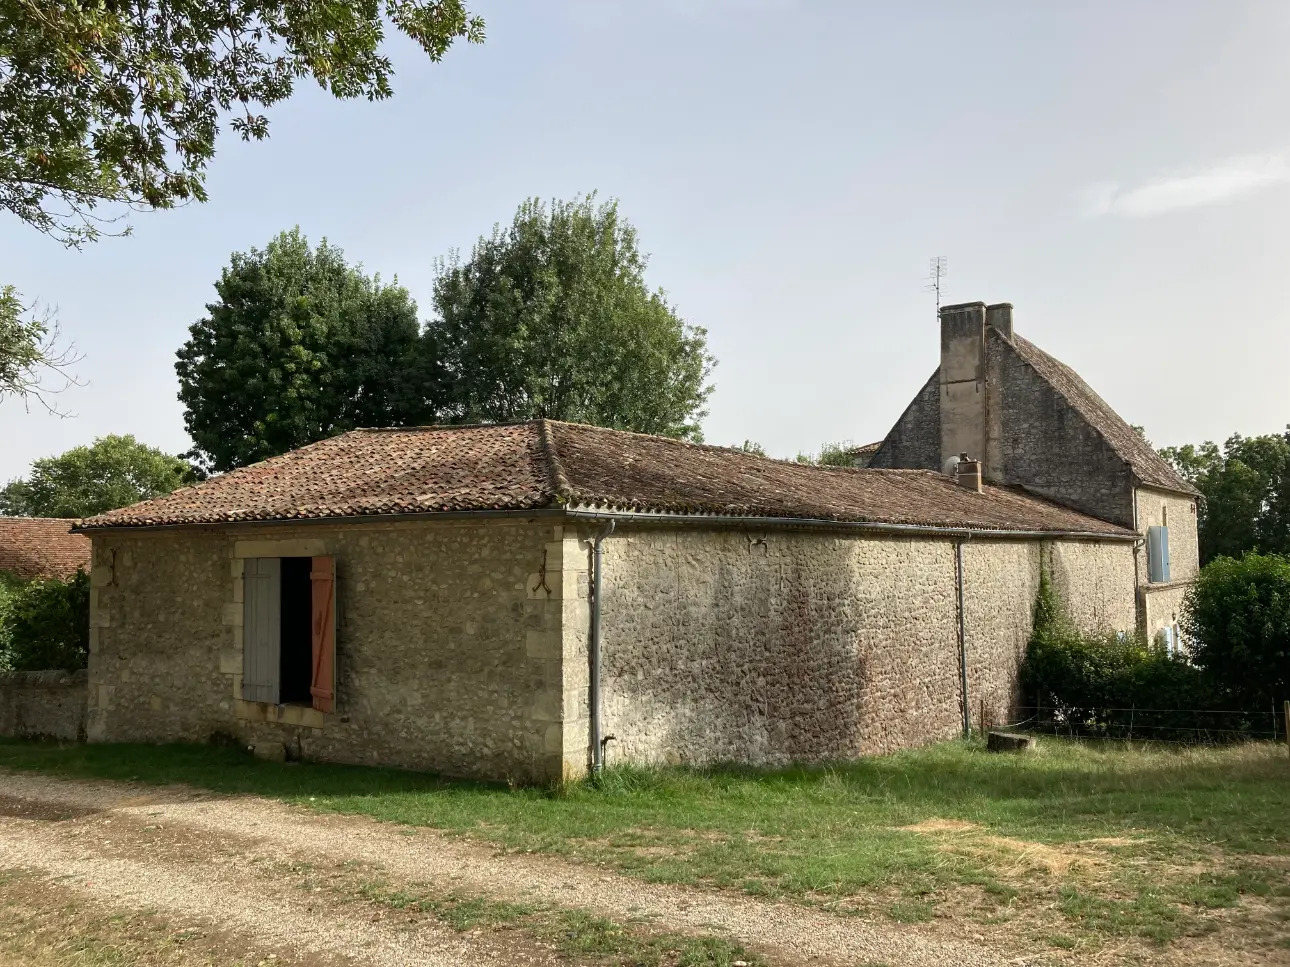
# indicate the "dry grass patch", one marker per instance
pixel 938 825
pixel 1007 856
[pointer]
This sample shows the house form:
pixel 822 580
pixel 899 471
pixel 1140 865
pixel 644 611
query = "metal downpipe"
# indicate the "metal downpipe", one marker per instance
pixel 593 651
pixel 963 675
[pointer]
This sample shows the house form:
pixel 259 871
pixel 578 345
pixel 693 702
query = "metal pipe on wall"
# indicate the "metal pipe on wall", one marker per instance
pixel 963 676
pixel 593 650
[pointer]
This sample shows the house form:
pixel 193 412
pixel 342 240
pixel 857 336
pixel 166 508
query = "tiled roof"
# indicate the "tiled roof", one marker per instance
pixel 543 464
pixel 864 452
pixel 42 547
pixel 1147 465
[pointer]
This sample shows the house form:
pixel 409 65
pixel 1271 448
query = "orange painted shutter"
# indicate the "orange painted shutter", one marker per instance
pixel 323 581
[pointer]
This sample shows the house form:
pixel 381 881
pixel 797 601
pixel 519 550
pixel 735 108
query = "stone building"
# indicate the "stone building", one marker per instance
pixel 1033 423
pixel 528 601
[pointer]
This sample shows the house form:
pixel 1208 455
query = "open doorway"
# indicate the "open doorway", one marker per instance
pixel 296 659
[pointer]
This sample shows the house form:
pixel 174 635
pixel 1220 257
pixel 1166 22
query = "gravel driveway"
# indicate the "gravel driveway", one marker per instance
pixel 229 862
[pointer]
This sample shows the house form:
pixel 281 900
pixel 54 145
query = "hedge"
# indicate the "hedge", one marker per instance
pixel 45 624
pixel 1121 685
pixel 1237 615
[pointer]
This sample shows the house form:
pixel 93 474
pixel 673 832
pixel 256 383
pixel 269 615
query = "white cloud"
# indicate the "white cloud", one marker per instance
pixel 1224 181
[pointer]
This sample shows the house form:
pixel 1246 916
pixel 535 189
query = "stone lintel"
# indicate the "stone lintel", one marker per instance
pixel 298 547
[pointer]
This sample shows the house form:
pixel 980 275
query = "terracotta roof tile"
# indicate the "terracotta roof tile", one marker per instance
pixel 629 471
pixel 550 464
pixel 42 547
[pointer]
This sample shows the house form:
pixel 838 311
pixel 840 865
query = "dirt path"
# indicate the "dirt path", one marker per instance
pixel 229 862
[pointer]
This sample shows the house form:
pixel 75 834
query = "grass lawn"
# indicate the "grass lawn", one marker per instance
pixel 1072 844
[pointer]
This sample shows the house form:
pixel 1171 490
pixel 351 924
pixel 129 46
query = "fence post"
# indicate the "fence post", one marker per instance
pixel 1286 710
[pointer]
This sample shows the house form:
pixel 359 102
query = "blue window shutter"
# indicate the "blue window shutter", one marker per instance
pixel 1158 555
pixel 261 628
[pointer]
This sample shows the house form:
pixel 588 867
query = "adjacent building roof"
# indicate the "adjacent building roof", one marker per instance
pixel 42 547
pixel 1146 464
pixel 860 456
pixel 548 464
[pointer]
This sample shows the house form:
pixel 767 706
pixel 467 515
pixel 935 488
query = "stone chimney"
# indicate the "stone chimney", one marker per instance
pixel 967 473
pixel 962 381
pixel 999 316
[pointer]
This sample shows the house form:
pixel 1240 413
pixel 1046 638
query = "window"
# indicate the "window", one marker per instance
pixel 1158 555
pixel 289 631
pixel 1164 514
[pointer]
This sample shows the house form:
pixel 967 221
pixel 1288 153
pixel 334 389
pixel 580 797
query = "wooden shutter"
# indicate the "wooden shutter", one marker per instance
pixel 1158 554
pixel 261 628
pixel 323 583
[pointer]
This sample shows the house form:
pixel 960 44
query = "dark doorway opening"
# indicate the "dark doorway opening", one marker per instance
pixel 296 673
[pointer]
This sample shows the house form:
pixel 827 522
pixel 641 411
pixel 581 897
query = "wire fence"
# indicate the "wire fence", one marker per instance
pixel 1183 726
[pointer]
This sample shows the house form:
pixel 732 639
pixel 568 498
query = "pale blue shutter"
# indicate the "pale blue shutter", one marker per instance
pixel 261 628
pixel 1158 555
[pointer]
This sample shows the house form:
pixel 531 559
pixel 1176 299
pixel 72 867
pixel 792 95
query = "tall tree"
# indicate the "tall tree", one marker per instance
pixel 551 317
pixel 114 471
pixel 300 346
pixel 1246 490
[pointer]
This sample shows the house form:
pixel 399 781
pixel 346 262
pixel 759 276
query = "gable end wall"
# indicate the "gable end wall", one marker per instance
pixel 914 443
pixel 1047 447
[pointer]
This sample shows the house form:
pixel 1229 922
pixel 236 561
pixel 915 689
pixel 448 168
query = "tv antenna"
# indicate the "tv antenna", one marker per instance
pixel 936 274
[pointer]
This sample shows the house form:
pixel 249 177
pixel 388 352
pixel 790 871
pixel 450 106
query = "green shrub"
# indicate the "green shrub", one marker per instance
pixel 1080 674
pixel 8 588
pixel 45 624
pixel 1237 616
pixel 1113 684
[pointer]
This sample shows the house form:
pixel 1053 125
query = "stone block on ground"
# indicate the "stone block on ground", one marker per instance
pixel 1009 742
pixel 270 751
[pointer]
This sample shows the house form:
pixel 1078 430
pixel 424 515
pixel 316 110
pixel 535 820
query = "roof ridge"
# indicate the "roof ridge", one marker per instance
pixel 561 489
pixel 421 427
pixel 655 436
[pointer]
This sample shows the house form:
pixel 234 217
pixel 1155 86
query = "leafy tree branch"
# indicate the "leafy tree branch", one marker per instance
pixel 121 103
pixel 35 363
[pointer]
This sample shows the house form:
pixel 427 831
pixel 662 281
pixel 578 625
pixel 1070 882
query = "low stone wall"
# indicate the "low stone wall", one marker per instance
pixel 44 704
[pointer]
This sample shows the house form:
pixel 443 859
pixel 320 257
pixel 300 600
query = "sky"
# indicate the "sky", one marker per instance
pixel 1119 171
